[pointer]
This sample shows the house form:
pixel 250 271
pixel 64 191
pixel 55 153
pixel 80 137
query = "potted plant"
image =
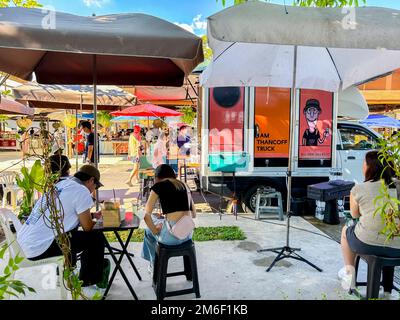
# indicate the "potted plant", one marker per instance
pixel 389 205
pixel 9 285
pixel 189 114
pixel 29 182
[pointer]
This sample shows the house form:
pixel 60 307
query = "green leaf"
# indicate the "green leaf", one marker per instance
pixel 18 259
pixel 30 289
pixel 11 293
pixel 25 173
pixel 3 251
pixel 7 270
pixel 97 296
pixel 4 278
pixel 37 176
pixel 17 288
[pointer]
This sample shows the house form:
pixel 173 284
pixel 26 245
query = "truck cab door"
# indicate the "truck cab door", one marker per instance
pixel 355 142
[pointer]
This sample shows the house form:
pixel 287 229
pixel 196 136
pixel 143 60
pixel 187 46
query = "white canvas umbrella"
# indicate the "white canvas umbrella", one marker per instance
pixel 301 47
pixel 352 104
pixel 329 54
pixel 258 44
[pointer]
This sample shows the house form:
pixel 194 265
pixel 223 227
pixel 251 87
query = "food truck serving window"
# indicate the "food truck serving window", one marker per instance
pixel 315 136
pixel 271 127
pixel 226 119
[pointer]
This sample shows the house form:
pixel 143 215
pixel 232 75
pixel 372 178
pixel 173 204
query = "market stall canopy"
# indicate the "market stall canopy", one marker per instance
pixel 57 115
pixel 130 48
pixel 147 110
pixel 71 96
pixel 13 107
pixel 352 104
pixel 86 116
pixel 333 52
pixel 381 121
pixel 61 115
pixel 165 94
pixel 187 94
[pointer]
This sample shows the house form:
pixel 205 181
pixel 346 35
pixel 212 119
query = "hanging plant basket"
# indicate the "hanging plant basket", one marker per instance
pixel 24 123
pixel 56 125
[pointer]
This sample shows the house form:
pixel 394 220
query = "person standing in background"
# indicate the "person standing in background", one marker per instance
pixel 183 141
pixel 134 143
pixel 160 151
pixel 89 149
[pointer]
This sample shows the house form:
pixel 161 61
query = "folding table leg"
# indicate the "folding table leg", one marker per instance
pixel 117 267
pixel 125 251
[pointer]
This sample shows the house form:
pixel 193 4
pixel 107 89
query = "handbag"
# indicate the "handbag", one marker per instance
pixel 185 225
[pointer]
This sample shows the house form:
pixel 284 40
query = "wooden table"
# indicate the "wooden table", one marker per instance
pixel 120 147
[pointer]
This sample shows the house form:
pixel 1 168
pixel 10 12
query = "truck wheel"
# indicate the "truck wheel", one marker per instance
pixel 250 197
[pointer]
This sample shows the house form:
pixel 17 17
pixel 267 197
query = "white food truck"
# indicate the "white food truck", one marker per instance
pixel 251 126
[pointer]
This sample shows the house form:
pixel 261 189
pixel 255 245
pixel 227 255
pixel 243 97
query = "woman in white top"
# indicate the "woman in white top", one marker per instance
pixel 134 154
pixel 160 151
pixel 366 236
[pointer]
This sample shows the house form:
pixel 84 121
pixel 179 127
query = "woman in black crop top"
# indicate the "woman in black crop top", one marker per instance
pixel 175 200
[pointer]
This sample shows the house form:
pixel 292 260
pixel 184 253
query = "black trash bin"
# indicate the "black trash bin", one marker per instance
pixel 298 206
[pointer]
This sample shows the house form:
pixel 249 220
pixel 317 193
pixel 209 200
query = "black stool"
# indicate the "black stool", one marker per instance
pixel 160 274
pixel 376 267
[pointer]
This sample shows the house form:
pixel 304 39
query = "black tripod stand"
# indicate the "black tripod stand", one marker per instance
pixel 287 251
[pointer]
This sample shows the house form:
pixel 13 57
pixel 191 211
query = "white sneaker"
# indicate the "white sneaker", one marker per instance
pixel 387 296
pixel 150 268
pixel 342 273
pixel 93 291
pixel 346 278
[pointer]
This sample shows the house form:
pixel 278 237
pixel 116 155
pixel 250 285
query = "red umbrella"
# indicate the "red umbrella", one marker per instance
pixel 147 110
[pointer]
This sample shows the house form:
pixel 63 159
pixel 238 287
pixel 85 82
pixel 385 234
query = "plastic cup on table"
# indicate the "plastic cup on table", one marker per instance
pixel 116 201
pixel 122 214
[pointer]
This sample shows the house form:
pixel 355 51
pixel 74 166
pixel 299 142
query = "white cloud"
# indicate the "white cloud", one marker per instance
pixel 97 3
pixel 198 23
pixel 197 26
pixel 185 26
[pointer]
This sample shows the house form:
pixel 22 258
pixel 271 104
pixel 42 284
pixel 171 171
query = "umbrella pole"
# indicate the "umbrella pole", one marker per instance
pixel 287 251
pixel 66 135
pixel 95 147
pixel 148 129
pixel 76 140
pixel 95 111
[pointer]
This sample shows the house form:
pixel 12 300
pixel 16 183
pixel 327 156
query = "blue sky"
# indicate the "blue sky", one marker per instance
pixel 190 14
